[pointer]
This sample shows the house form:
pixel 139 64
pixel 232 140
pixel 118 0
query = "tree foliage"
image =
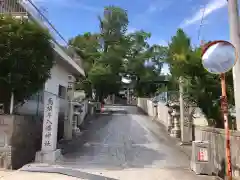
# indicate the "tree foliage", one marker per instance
pixel 113 53
pixel 26 57
pixel 200 86
pixel 88 47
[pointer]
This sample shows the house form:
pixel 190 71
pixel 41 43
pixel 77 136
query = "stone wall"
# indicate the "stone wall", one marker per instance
pixel 216 137
pixel 142 103
pixel 24 136
pixel 6 129
pixel 162 112
pixel 201 132
pixel 146 105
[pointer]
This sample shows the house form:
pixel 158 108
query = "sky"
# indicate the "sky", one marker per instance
pixel 161 18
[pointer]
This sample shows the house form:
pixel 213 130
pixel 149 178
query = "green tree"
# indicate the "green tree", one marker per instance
pixel 139 52
pixel 24 64
pixel 112 54
pixel 113 25
pixel 103 53
pixel 88 47
pixel 200 86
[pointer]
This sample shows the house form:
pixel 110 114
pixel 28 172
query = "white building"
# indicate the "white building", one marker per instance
pixel 52 101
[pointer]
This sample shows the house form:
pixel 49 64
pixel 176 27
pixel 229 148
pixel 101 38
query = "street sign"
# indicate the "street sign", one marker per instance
pixel 203 155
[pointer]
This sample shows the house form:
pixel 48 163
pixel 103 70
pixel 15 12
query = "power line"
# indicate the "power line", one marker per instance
pixel 52 26
pixel 46 19
pixel 201 24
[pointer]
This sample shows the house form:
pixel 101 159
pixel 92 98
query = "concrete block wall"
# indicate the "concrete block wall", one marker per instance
pixel 162 113
pixel 26 140
pixel 150 108
pixel 24 136
pixel 216 137
pixel 142 103
pixel 202 132
pixel 146 105
pixel 162 110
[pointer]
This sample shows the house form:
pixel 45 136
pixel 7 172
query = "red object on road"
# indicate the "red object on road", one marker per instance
pixel 102 106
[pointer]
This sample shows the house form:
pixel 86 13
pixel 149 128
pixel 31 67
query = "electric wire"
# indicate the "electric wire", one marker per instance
pixel 201 23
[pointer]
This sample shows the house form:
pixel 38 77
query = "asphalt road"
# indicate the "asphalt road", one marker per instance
pixel 123 143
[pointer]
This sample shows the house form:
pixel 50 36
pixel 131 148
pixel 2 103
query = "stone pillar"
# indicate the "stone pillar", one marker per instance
pixel 76 130
pixel 176 131
pixel 6 131
pixel 185 118
pixel 128 96
pixel 49 151
pixel 68 124
pixel 170 119
pixel 113 98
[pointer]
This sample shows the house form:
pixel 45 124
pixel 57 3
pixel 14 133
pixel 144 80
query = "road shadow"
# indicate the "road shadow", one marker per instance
pixel 113 140
pixel 68 172
pixel 95 156
pixel 70 146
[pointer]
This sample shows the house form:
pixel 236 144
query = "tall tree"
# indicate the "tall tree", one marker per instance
pixel 104 52
pixel 113 25
pixel 88 47
pixel 24 64
pixel 118 54
pixel 201 87
pixel 139 52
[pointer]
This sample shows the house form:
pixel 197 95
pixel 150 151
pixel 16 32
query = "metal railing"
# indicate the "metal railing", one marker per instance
pixel 28 8
pixel 12 7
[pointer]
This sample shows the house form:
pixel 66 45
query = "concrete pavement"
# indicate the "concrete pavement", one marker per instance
pixel 125 141
pixel 122 144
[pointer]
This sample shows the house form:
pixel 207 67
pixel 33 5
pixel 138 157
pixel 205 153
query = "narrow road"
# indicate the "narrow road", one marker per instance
pixel 125 144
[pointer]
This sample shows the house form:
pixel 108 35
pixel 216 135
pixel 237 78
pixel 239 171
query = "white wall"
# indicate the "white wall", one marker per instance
pixel 84 112
pixel 199 118
pixel 59 76
pixel 147 106
pixel 163 113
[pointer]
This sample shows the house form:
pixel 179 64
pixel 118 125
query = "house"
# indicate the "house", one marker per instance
pixel 52 102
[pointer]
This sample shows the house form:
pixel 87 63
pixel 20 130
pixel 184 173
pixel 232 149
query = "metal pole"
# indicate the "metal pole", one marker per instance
pixel 235 40
pixel 11 103
pixel 224 107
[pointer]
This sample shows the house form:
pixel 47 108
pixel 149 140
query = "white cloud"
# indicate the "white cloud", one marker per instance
pixel 157 40
pixel 131 30
pixel 152 8
pixel 163 43
pixel 158 6
pixel 165 69
pixel 210 8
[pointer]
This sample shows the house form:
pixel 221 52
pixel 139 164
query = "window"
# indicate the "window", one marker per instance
pixel 62 91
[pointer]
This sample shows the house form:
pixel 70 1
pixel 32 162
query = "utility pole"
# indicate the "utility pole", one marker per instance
pixel 235 40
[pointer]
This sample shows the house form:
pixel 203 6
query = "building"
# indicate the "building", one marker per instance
pixel 52 102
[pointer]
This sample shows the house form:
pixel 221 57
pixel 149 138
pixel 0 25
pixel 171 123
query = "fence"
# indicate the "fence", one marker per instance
pixel 215 136
pixel 27 8
pixel 38 15
pixel 11 7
